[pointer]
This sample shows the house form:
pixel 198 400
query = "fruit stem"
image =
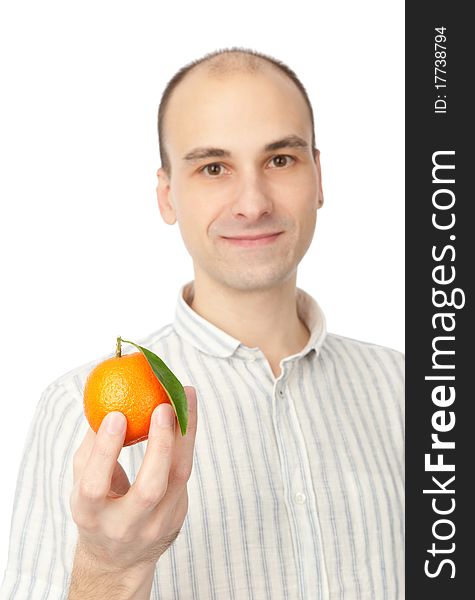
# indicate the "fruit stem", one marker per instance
pixel 118 348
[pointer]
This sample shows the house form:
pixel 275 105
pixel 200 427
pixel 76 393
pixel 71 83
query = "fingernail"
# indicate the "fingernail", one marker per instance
pixel 115 423
pixel 166 416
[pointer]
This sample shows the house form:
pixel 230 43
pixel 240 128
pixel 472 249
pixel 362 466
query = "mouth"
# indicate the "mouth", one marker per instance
pixel 262 239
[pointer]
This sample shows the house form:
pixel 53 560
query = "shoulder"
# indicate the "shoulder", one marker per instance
pixel 361 347
pixel 373 371
pixel 365 355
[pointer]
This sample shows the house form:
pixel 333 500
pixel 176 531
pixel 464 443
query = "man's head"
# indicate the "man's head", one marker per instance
pixel 220 63
pixel 239 161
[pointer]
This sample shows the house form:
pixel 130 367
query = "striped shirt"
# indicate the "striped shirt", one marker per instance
pixel 297 483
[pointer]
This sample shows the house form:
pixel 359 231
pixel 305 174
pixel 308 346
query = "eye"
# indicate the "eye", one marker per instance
pixel 212 169
pixel 281 160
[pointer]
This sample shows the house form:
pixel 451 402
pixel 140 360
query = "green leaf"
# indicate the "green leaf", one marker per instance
pixel 172 386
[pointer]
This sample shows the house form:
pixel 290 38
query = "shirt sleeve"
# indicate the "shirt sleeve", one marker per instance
pixel 42 534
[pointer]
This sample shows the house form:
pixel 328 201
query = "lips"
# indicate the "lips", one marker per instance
pixel 250 241
pixel 252 237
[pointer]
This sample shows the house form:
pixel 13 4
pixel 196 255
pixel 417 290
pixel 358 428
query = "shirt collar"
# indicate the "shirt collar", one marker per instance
pixel 214 341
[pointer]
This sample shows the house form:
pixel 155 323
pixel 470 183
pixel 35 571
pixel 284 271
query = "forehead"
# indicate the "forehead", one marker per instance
pixel 238 110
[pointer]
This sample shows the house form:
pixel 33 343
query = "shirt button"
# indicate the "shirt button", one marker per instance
pixel 300 498
pixel 281 393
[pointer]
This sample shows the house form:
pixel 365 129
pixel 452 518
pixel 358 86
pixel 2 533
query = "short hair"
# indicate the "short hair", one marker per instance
pixel 220 62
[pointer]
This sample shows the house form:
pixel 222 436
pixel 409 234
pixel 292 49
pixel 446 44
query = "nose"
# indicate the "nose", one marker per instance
pixel 252 200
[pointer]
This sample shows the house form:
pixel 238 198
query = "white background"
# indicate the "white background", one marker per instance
pixel 85 255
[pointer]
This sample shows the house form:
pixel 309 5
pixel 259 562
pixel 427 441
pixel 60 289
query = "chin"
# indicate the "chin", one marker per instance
pixel 253 279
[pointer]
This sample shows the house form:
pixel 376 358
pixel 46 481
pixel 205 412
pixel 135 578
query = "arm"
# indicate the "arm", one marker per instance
pixel 124 529
pixel 89 580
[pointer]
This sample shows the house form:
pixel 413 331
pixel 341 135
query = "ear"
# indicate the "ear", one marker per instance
pixel 319 172
pixel 165 204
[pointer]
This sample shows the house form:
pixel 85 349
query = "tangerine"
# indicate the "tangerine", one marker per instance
pixel 127 384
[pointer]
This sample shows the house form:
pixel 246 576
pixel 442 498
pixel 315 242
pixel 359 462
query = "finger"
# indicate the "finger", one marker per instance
pixel 119 483
pixel 182 461
pixel 96 477
pixel 82 454
pixel 151 482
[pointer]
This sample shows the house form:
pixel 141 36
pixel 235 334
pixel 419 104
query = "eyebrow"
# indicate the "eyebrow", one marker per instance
pixel 290 141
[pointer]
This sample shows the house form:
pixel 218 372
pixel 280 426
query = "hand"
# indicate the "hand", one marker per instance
pixel 122 526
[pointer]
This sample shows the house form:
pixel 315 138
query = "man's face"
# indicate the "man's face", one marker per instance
pixel 244 185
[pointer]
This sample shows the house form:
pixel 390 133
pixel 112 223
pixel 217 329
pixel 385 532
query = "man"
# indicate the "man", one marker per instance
pixel 293 488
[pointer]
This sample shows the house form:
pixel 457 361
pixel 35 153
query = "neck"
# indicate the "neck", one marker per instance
pixel 266 319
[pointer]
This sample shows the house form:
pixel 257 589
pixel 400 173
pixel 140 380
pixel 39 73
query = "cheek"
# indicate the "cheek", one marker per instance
pixel 300 201
pixel 305 213
pixel 194 219
pixel 297 189
pixel 199 204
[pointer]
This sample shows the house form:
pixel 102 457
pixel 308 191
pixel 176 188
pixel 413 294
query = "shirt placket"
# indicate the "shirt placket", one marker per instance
pixel 299 491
